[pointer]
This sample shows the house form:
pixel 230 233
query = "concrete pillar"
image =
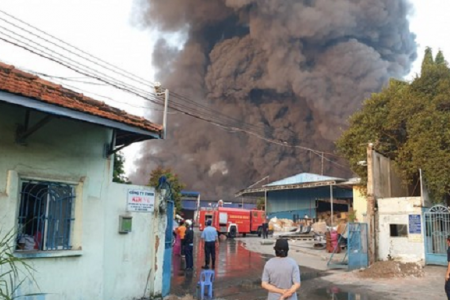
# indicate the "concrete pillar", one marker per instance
pixel 371 206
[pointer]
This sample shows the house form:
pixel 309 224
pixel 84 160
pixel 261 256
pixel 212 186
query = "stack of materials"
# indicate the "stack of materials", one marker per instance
pixel 337 217
pixel 283 225
pixel 319 227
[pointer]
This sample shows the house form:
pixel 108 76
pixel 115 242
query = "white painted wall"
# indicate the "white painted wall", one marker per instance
pixel 128 257
pixel 103 263
pixel 397 211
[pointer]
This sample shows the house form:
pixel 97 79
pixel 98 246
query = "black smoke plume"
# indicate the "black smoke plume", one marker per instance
pixel 298 68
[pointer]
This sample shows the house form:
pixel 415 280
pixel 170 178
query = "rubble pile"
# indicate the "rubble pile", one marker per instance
pixel 392 269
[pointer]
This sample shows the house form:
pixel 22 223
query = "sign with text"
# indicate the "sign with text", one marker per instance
pixel 415 228
pixel 141 200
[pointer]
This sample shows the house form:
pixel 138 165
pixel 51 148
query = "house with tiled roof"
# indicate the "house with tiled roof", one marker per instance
pixel 85 236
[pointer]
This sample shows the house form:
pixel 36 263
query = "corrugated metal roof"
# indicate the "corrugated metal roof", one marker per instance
pixel 304 178
pixel 352 181
pixel 185 193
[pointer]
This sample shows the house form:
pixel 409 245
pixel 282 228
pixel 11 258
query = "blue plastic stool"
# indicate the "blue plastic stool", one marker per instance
pixel 206 280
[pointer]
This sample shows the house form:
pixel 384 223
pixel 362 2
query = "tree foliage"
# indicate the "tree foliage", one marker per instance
pixel 440 60
pixel 174 181
pixel 261 203
pixel 119 169
pixel 409 123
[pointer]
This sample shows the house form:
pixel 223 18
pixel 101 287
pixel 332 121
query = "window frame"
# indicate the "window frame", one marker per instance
pixel 405 227
pixel 59 250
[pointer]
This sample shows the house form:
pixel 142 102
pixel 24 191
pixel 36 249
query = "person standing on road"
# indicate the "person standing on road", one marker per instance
pixel 447 274
pixel 281 275
pixel 189 246
pixel 210 237
pixel 265 229
pixel 181 231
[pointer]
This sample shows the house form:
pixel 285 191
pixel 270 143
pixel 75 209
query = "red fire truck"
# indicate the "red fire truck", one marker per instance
pixel 232 221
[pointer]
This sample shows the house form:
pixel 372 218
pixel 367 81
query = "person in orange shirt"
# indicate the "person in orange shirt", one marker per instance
pixel 181 232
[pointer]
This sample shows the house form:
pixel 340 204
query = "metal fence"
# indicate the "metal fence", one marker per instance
pixel 356 255
pixel 357 244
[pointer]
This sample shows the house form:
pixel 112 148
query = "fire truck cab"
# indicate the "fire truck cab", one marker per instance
pixel 232 221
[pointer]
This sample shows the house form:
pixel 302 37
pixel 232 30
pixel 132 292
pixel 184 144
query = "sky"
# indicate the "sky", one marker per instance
pixel 108 29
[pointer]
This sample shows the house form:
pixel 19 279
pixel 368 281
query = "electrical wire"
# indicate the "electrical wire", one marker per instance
pixel 180 107
pixel 61 80
pixel 123 72
pixel 115 68
pixel 68 62
pixel 233 129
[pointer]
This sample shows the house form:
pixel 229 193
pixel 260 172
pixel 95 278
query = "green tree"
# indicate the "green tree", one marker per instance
pixel 260 203
pixel 409 123
pixel 427 60
pixel 175 183
pixel 119 169
pixel 440 60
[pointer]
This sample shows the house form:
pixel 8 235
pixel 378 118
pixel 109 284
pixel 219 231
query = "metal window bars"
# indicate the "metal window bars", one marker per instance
pixel 46 214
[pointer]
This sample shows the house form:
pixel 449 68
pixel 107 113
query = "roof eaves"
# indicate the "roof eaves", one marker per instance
pixel 285 187
pixel 18 82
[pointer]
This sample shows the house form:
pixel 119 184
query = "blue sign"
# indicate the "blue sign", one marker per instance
pixel 415 224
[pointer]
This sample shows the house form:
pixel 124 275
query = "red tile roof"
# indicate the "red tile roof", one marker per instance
pixel 22 83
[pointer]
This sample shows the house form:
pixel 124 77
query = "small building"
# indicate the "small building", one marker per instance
pixel 397 219
pixel 400 236
pixel 85 236
pixel 304 195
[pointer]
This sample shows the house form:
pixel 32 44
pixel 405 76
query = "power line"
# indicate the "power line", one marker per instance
pixel 63 79
pixel 132 76
pixel 125 87
pixel 234 129
pixel 89 72
pixel 69 63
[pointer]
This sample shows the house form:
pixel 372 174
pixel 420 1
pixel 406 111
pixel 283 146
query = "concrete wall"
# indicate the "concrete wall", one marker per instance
pixel 102 263
pixel 128 257
pixel 400 211
pixel 386 183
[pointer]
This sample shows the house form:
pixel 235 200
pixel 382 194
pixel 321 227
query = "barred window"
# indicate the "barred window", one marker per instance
pixel 45 216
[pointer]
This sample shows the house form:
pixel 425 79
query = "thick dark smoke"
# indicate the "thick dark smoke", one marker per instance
pixel 298 68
